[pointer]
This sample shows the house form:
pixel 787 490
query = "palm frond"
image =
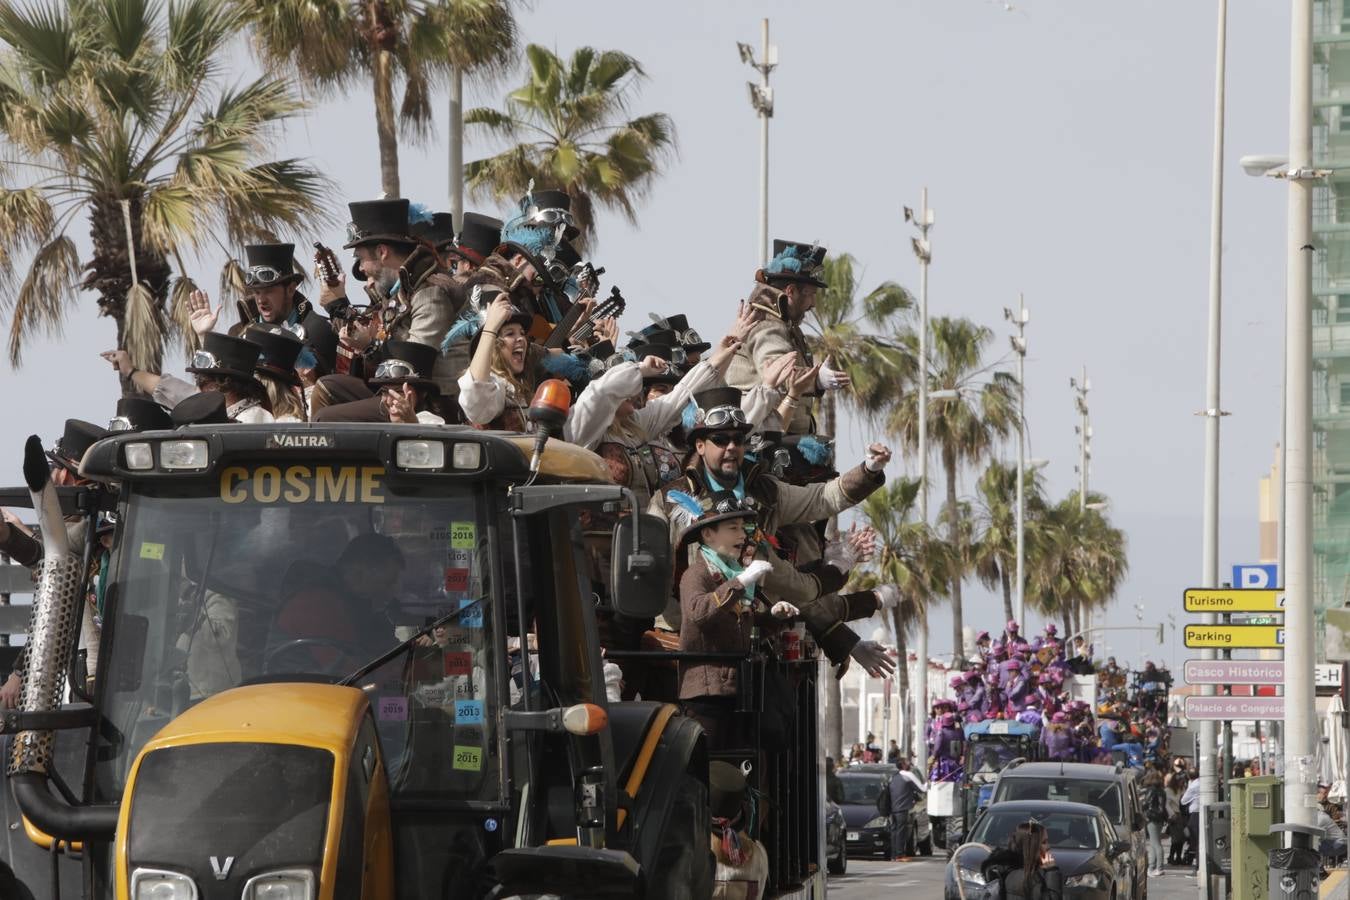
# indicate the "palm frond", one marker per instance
pixel 143 336
pixel 179 321
pixel 49 287
pixel 26 220
pixel 44 45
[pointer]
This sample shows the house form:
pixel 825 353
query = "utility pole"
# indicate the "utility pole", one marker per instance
pixel 456 148
pixel 1084 432
pixel 924 251
pixel 1019 346
pixel 1300 721
pixel 761 98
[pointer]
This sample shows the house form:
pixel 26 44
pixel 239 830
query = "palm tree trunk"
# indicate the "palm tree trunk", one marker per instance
pixel 834 708
pixel 902 680
pixel 1066 616
pixel 1007 593
pixel 385 125
pixel 954 536
pixel 455 145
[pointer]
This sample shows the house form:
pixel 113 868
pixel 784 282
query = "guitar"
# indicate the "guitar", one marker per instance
pixel 568 331
pixel 326 266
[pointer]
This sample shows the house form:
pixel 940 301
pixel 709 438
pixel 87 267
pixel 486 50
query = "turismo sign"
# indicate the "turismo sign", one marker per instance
pixel 1230 637
pixel 1231 600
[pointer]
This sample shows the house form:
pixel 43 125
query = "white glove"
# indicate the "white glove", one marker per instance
pixel 873 658
pixel 613 682
pixel 888 595
pixel 828 379
pixel 877 457
pixel 783 610
pixel 754 573
pixel 841 554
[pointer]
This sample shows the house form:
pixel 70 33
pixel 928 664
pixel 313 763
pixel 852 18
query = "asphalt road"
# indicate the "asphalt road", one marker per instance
pixel 922 878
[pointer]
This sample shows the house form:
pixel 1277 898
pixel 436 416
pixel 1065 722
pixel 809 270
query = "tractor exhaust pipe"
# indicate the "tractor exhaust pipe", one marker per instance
pixel 51 639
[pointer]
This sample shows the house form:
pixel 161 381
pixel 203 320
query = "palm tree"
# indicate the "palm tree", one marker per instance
pixel 570 117
pixel 412 44
pixel 965 427
pixel 995 553
pixel 1079 563
pixel 117 115
pixel 913 558
pixel 875 365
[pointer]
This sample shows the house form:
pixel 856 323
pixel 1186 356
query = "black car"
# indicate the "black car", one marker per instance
pixel 1112 789
pixel 1091 856
pixel 868 832
pixel 836 851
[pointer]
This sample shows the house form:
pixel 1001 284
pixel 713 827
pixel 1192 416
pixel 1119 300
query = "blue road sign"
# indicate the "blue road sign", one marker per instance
pixel 1260 576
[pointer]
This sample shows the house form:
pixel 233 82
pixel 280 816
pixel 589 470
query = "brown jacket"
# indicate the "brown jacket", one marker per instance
pixel 715 620
pixel 767 341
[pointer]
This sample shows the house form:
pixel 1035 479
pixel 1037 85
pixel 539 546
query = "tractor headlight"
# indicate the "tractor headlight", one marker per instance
pixel 183 454
pixel 419 455
pixel 283 884
pixel 139 456
pixel 161 884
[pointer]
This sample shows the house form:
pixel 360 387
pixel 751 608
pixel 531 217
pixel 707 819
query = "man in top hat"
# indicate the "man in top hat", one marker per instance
pixel 139 414
pixel 417 299
pixel 464 250
pixel 786 291
pixel 65 457
pixel 223 364
pixel 529 243
pixel 718 440
pixel 403 382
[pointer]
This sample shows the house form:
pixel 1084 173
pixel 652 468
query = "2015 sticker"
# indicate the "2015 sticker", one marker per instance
pixel 468 759
pixel 152 551
pixel 463 535
pixel 468 712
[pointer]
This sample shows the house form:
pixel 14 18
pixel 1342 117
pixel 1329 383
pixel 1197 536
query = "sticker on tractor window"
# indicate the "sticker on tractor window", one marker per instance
pixel 458 663
pixel 468 759
pixel 460 559
pixel 392 709
pixel 468 712
pixel 456 580
pixel 474 617
pixel 152 551
pixel 463 535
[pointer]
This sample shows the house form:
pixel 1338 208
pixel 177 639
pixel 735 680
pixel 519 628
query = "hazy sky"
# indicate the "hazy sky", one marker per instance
pixel 1066 147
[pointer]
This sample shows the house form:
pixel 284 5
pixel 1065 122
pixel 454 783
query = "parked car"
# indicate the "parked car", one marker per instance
pixel 1112 789
pixel 836 850
pixel 1092 857
pixel 869 832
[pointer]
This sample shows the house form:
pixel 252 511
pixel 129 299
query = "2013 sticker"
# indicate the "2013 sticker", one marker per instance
pixel 468 712
pixel 463 535
pixel 392 709
pixel 468 759
pixel 152 551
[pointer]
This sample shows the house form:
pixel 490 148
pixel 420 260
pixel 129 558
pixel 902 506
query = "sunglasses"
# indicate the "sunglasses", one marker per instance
pixel 395 368
pixel 727 438
pixel 262 275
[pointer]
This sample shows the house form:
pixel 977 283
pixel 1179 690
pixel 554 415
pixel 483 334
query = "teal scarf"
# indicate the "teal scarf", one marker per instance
pixel 738 489
pixel 727 569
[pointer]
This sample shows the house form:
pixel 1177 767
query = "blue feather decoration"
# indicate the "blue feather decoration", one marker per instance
pixel 787 261
pixel 539 241
pixel 690 505
pixel 566 366
pixel 815 452
pixel 306 359
pixel 468 324
pixel 417 214
pixel 689 417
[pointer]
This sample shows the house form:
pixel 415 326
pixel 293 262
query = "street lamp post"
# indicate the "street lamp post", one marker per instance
pixel 761 98
pixel 1019 345
pixel 923 250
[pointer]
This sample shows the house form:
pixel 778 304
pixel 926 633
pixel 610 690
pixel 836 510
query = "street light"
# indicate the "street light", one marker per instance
pixel 923 250
pixel 1019 346
pixel 761 99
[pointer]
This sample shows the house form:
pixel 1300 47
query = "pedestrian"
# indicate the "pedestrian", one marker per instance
pixel 1155 815
pixel 1190 807
pixel 903 790
pixel 893 753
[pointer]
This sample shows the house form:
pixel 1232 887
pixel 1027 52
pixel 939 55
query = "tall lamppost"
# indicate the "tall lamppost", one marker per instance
pixel 924 251
pixel 1019 346
pixel 761 98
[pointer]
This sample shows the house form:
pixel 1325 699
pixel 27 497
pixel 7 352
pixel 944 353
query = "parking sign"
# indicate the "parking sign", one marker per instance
pixel 1259 576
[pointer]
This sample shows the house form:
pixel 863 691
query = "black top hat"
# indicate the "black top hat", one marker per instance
pixel 438 232
pixel 795 262
pixel 567 254
pixel 270 264
pixel 140 414
pixel 799 458
pixel 78 437
pixel 206 408
pixel 550 199
pixel 660 351
pixel 718 506
pixel 224 355
pixel 378 222
pixel 687 337
pixel 280 350
pixel 406 362
pixel 726 791
pixel 719 409
pixel 478 236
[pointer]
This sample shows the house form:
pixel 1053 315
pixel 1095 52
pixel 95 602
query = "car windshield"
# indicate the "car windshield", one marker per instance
pixel 305 573
pixel 1105 795
pixel 862 789
pixel 1066 831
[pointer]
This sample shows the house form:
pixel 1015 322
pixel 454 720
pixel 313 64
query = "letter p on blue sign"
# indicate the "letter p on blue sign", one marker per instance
pixel 1260 577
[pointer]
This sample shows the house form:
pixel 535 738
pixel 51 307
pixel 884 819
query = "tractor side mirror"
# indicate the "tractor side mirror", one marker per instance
pixel 640 567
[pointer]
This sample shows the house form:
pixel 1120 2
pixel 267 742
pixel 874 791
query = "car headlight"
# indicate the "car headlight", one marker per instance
pixel 1092 880
pixel 161 884
pixel 283 884
pixel 972 876
pixel 878 822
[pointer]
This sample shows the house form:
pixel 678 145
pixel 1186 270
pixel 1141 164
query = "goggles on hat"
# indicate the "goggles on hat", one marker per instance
pixel 723 417
pixel 205 359
pixel 552 216
pixel 688 336
pixel 354 233
pixel 395 368
pixel 259 275
pixel 119 423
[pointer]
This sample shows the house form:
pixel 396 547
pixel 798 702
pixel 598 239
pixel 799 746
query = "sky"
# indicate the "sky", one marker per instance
pixel 1066 146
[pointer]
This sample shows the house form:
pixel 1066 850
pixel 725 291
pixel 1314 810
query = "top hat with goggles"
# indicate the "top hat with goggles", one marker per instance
pixel 718 409
pixel 77 437
pixel 406 362
pixel 378 222
pixel 270 264
pixel 139 414
pixel 222 355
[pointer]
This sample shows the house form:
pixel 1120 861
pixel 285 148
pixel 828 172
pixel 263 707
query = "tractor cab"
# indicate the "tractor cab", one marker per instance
pixel 988 748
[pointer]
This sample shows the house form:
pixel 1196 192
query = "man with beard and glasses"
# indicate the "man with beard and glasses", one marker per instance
pixel 718 441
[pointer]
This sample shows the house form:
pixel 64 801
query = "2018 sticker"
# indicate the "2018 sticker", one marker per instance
pixel 392 709
pixel 152 551
pixel 463 535
pixel 458 663
pixel 469 759
pixel 468 712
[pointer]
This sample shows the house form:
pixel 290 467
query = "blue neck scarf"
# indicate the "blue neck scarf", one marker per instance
pixel 738 489
pixel 727 569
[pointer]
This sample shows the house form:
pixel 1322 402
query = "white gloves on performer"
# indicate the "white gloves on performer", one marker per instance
pixel 888 596
pixel 754 573
pixel 828 379
pixel 783 610
pixel 877 457
pixel 841 554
